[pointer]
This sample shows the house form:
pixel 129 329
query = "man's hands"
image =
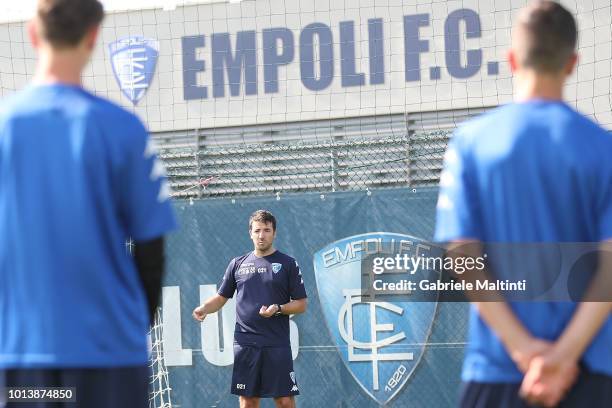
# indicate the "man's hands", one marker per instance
pixel 548 374
pixel 524 353
pixel 198 313
pixel 549 377
pixel 295 306
pixel 268 311
pixel 212 305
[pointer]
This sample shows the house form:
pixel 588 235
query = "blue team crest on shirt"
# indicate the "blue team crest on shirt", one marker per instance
pixel 276 267
pixel 380 342
pixel 134 60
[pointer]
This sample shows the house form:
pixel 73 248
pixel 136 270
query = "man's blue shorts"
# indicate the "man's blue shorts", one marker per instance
pixel 265 372
pixel 591 390
pixel 117 387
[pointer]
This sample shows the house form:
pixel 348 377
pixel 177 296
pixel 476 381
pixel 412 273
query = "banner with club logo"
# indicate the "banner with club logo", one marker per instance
pixel 347 350
pixel 380 343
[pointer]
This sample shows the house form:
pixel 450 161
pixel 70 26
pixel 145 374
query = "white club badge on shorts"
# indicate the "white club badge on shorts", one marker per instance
pixel 292 376
pixel 276 267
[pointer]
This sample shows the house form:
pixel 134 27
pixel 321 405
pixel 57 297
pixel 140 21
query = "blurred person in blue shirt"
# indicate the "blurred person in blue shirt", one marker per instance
pixel 533 171
pixel 78 177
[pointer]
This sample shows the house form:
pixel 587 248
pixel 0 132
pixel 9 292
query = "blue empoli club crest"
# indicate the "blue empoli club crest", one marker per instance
pixel 380 342
pixel 134 60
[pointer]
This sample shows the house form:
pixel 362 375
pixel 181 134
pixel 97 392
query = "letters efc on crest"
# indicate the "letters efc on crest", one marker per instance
pixel 379 342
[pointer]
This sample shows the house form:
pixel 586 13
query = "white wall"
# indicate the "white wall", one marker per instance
pixel 164 106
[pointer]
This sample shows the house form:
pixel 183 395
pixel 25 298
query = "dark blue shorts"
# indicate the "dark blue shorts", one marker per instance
pixel 120 387
pixel 591 390
pixel 265 372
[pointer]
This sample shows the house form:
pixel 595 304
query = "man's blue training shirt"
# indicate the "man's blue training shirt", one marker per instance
pixel 272 279
pixel 529 172
pixel 78 176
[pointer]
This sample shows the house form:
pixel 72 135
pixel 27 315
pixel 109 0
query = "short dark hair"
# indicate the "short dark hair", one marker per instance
pixel 262 216
pixel 550 36
pixel 64 23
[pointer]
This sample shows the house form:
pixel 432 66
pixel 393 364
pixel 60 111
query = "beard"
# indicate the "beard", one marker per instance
pixel 263 247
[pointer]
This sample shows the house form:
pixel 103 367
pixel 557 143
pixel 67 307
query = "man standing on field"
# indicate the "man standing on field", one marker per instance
pixel 269 288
